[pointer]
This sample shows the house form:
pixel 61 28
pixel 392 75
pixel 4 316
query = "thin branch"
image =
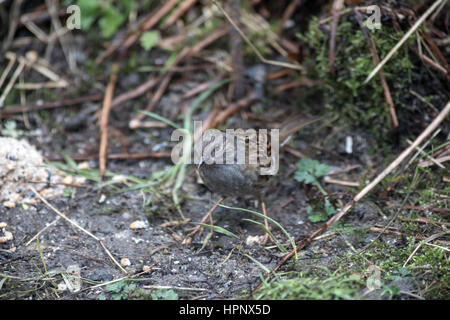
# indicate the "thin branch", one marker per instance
pixel 104 120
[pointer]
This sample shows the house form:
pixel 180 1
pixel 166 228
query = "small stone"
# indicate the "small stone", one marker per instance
pixel 120 179
pixel 32 201
pixel 125 262
pixel 80 180
pixel 62 286
pixel 102 198
pixel 83 165
pixel 254 240
pixel 46 192
pixel 134 124
pixel 68 180
pixel 32 56
pixel 138 225
pixel 3 225
pixel 146 269
pixel 9 204
pixel 16 197
pixel 7 237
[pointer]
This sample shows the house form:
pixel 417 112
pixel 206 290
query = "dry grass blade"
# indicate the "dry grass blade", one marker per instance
pixel 104 120
pixel 12 60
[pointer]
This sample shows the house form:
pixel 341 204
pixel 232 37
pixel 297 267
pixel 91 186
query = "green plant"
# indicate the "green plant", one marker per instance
pixel 10 130
pixel 163 294
pixel 308 171
pixel 344 91
pixel 149 39
pixel 119 290
pixel 109 14
pixel 337 285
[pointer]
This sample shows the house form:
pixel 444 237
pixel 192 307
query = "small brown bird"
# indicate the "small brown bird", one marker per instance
pixel 240 179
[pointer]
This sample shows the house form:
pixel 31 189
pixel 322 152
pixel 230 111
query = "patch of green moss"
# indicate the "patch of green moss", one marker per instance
pixel 429 267
pixel 363 105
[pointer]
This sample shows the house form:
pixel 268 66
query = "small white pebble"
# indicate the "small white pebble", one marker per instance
pixel 102 198
pixel 253 240
pixel 7 237
pixel 46 192
pixel 9 204
pixel 134 124
pixel 83 165
pixel 146 269
pixel 138 225
pixel 125 262
pixel 68 180
pixel 3 225
pixel 16 197
pixel 349 144
pixel 119 179
pixel 80 180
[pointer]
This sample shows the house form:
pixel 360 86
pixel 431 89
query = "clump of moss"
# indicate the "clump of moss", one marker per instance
pixel 338 285
pixel 363 104
pixel 429 267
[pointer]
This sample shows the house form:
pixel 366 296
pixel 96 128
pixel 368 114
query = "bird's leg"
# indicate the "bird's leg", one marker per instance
pixel 204 219
pixel 266 223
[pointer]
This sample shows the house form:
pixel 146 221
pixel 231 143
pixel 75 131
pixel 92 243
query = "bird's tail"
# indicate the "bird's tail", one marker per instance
pixel 292 125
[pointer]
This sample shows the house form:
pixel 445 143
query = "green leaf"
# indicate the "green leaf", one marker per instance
pixel 309 170
pixel 115 287
pixel 160 118
pixel 164 295
pixel 90 10
pixel 149 39
pixel 218 230
pixel 111 20
pixel 316 217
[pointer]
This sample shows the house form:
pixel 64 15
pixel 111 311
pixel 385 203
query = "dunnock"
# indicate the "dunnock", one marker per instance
pixel 242 178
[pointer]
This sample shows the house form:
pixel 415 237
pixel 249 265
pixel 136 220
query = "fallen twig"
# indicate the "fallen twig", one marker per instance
pixel 50 105
pixel 376 61
pixel 341 182
pixel 425 220
pixel 8 68
pixel 104 120
pixel 179 11
pixel 233 108
pixel 337 6
pixel 422 208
